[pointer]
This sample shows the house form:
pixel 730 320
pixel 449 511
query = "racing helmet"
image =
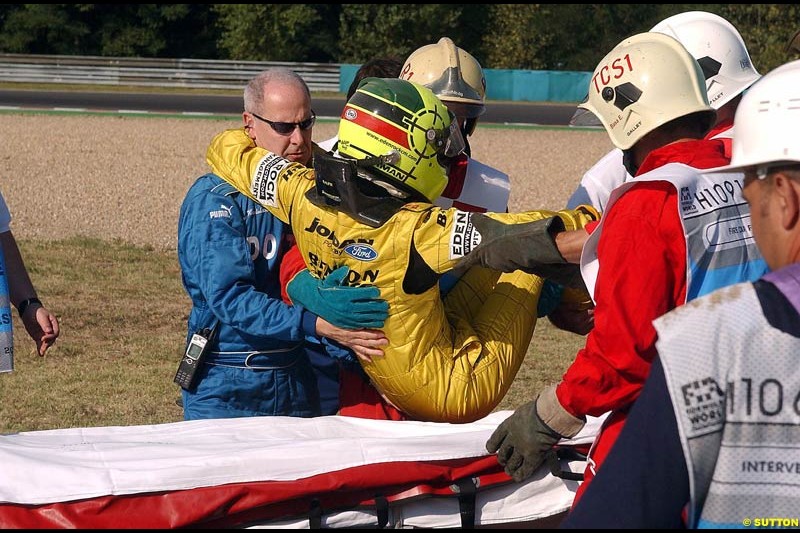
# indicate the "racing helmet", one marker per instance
pixel 646 81
pixel 719 49
pixel 402 134
pixel 452 74
pixel 767 118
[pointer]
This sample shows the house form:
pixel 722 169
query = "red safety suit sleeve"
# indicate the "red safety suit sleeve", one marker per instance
pixel 291 263
pixel 642 275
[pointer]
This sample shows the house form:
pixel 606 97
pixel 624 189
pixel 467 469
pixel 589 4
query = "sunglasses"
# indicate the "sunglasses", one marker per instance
pixel 286 128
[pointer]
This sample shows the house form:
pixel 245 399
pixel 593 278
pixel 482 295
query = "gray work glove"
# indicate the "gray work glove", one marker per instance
pixel 528 246
pixel 522 440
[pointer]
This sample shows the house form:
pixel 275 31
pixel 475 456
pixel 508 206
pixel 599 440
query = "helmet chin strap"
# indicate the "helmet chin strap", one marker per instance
pixel 467 148
pixel 469 127
pixel 628 162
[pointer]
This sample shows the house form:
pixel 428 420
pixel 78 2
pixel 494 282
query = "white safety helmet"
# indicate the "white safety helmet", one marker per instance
pixel 766 120
pixel 719 49
pixel 646 81
pixel 451 73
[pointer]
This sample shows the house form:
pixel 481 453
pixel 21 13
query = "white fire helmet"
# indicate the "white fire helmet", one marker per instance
pixel 719 49
pixel 451 73
pixel 646 81
pixel 767 119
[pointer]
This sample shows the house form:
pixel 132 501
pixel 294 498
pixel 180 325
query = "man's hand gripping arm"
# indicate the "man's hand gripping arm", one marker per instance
pixel 348 315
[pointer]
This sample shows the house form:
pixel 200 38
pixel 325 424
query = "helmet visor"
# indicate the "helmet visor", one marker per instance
pixel 583 117
pixel 464 110
pixel 448 142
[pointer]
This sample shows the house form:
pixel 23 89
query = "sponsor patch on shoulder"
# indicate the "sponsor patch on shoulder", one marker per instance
pixel 463 237
pixel 265 179
pixel 224 211
pixel 361 251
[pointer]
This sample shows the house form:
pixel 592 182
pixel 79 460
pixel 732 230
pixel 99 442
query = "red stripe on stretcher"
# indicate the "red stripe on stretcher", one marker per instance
pixel 240 504
pixel 385 129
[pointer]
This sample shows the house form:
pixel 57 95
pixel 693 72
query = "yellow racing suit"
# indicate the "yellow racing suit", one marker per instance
pixel 449 361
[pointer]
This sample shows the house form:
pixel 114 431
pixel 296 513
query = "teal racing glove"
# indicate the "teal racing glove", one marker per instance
pixel 549 298
pixel 341 305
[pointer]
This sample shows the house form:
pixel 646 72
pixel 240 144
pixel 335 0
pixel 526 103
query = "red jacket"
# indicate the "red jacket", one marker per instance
pixel 642 275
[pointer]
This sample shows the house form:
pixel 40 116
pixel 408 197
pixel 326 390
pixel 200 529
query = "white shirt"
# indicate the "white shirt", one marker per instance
pixel 598 182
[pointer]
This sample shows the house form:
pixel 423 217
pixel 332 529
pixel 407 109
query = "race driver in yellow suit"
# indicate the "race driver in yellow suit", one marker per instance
pixel 370 210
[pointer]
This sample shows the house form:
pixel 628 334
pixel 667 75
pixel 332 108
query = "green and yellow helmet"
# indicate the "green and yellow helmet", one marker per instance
pixel 403 133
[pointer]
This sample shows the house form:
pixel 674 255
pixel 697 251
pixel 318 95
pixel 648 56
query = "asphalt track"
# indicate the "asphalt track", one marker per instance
pixel 527 113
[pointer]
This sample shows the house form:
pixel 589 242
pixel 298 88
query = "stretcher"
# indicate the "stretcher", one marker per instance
pixel 277 472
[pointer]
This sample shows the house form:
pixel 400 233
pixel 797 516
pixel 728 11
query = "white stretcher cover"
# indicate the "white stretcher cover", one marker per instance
pixel 329 471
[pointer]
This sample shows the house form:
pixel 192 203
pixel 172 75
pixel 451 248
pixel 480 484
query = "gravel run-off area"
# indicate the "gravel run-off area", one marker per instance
pixel 124 177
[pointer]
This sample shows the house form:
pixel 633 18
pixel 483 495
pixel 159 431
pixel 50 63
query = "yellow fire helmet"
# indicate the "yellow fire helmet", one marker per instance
pixel 451 73
pixel 646 81
pixel 402 134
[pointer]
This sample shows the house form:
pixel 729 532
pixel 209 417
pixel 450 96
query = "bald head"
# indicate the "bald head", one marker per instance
pixel 258 86
pixel 279 96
